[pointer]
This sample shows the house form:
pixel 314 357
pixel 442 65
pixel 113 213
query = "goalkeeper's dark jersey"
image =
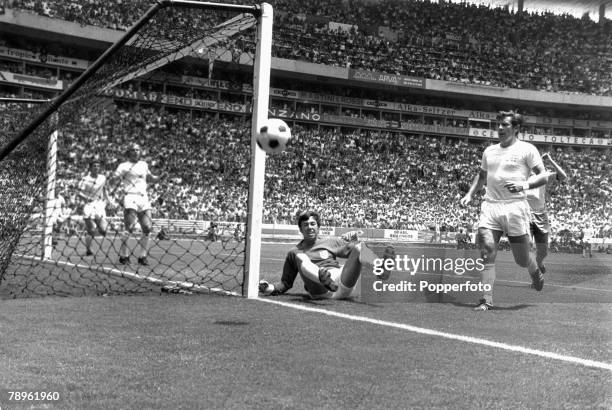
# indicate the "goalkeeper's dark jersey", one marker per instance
pixel 323 253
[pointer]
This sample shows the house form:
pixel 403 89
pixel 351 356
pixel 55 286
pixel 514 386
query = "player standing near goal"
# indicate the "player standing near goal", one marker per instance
pixel 59 216
pixel 133 175
pixel 540 224
pixel 92 191
pixel 315 260
pixel 505 170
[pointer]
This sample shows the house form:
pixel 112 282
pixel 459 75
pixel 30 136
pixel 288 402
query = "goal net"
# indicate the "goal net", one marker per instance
pixel 187 84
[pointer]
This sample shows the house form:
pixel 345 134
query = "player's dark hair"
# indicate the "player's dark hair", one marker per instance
pixel 516 121
pixel 304 216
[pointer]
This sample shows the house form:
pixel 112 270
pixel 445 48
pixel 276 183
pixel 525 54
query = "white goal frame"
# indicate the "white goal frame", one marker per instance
pixel 261 96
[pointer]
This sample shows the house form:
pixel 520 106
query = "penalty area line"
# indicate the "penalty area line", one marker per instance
pixel 451 336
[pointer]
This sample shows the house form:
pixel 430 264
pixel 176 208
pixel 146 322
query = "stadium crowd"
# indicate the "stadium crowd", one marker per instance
pixel 394 181
pixel 437 40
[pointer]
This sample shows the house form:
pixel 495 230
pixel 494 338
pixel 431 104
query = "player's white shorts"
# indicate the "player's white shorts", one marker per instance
pixel 342 292
pixel 510 217
pixel 94 210
pixel 138 202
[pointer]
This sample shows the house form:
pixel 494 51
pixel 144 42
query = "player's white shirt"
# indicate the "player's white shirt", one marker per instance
pixel 92 188
pixel 505 164
pixel 133 176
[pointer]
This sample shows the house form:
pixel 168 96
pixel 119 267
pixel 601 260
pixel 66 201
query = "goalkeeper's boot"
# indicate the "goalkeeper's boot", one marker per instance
pixel 537 280
pixel 124 260
pixel 326 279
pixel 484 305
pixel 388 254
pixel 89 253
pixel 143 261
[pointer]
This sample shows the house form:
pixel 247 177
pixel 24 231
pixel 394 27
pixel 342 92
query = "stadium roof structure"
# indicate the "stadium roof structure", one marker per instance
pixel 576 8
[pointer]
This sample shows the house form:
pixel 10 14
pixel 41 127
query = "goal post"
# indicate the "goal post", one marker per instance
pixel 261 92
pixel 80 126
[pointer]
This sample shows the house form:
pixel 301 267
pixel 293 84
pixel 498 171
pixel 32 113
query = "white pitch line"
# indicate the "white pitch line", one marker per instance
pixel 431 332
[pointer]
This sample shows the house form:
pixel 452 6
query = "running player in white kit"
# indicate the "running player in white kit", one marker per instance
pixel 505 170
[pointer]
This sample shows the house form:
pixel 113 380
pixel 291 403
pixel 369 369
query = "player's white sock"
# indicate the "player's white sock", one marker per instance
pixel 488 278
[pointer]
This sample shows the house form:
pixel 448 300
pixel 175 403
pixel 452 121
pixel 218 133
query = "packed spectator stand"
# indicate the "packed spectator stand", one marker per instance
pixel 438 40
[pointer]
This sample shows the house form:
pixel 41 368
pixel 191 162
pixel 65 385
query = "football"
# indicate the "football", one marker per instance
pixel 274 135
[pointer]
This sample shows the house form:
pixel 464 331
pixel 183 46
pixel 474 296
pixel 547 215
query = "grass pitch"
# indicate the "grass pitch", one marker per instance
pixel 163 351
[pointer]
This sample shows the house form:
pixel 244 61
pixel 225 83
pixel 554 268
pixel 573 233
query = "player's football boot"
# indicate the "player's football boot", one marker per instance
pixel 388 254
pixel 124 260
pixel 537 280
pixel 88 253
pixel 542 268
pixel 326 279
pixel 143 261
pixel 483 305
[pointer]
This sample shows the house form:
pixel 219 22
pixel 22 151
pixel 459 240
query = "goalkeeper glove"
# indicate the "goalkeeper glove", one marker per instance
pixel 266 288
pixel 351 236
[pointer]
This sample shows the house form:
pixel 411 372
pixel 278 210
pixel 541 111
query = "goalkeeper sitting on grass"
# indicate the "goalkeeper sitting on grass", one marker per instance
pixel 314 259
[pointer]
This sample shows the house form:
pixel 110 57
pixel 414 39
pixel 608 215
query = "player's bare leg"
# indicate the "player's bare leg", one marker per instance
pixel 146 224
pixel 102 225
pixel 359 257
pixel 313 272
pixel 541 244
pixel 90 227
pixel 521 246
pixel 129 220
pixel 352 267
pixel 488 240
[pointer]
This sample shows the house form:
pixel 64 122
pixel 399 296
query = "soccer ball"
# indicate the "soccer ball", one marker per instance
pixel 273 136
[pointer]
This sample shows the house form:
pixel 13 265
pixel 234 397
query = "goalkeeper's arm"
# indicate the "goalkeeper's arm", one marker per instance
pixel 289 274
pixel 272 289
pixel 268 289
